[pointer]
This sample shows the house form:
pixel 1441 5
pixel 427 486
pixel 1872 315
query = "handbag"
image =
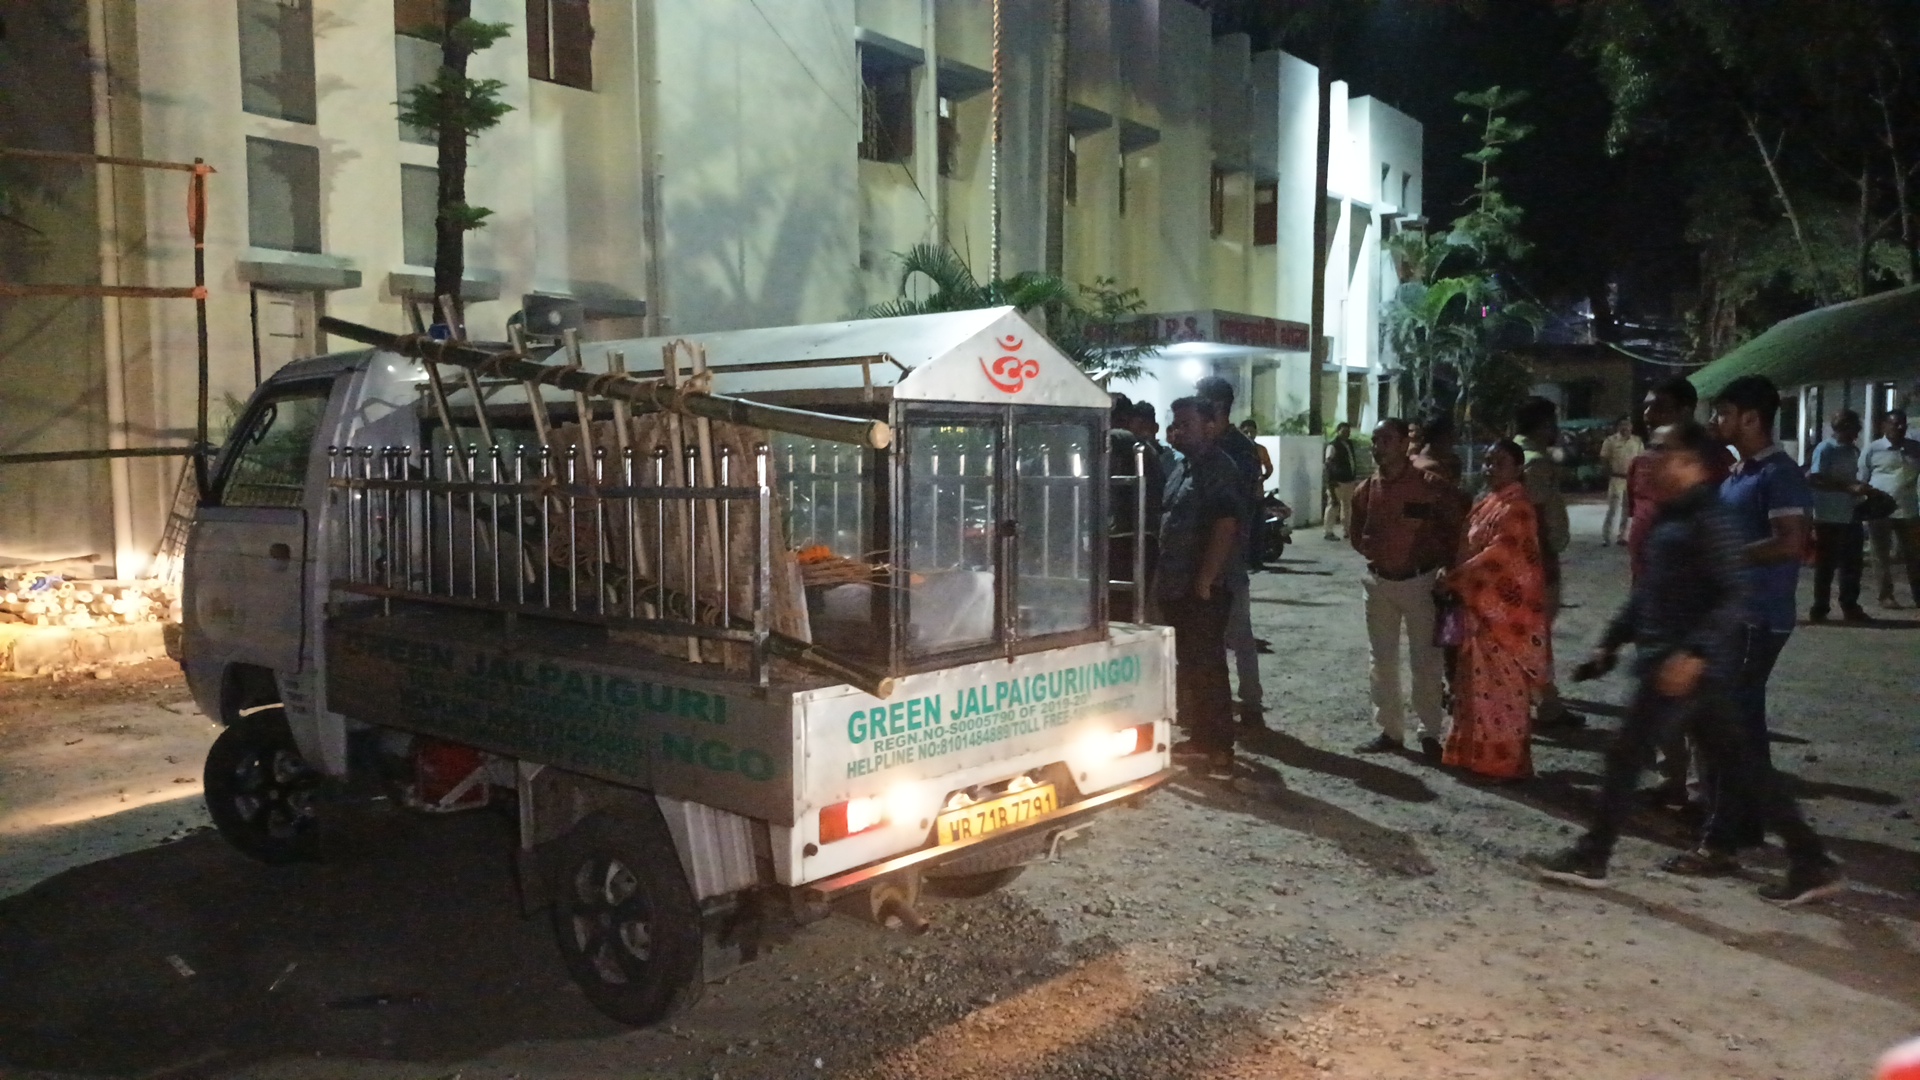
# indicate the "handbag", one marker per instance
pixel 1874 505
pixel 1449 623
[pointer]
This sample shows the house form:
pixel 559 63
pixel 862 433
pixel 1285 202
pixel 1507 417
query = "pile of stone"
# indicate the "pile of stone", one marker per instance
pixel 41 599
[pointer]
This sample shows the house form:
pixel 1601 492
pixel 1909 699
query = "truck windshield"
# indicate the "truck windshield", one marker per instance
pixel 269 454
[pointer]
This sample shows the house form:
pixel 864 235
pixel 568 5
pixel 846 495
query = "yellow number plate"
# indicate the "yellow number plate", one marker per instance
pixel 1005 812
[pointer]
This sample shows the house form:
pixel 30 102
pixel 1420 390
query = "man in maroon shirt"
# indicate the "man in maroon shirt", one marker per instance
pixel 1672 402
pixel 1669 403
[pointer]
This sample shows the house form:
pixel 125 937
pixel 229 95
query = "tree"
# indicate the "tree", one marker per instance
pixel 1452 310
pixel 1088 323
pixel 457 109
pixel 1796 122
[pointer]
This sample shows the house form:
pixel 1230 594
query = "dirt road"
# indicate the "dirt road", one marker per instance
pixel 1322 915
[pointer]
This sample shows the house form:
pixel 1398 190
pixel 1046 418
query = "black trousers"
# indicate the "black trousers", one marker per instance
pixel 1710 713
pixel 1203 700
pixel 1838 548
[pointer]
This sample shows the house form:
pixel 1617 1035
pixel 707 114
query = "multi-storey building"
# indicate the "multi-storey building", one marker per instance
pixel 673 165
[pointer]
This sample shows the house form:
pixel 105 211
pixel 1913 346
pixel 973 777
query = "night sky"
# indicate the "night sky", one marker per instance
pixel 1592 218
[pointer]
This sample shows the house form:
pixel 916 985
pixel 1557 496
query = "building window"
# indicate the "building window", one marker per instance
pixel 283 195
pixel 416 60
pixel 420 18
pixel 949 138
pixel 1266 213
pixel 886 108
pixel 1217 202
pixel 1073 169
pixel 560 42
pixel 276 59
pixel 419 206
pixel 1406 191
pixel 1123 185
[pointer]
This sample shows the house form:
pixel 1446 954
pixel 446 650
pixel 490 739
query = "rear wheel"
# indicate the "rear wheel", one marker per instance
pixel 625 920
pixel 260 791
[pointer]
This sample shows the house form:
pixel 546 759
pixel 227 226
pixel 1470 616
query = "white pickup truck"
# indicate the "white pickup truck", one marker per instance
pixel 722 671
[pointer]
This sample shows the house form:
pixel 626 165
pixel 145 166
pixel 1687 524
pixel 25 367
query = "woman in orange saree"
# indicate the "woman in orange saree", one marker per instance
pixel 1500 587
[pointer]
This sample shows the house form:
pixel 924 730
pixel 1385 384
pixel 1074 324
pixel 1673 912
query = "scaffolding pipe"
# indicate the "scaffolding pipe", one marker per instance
pixel 643 395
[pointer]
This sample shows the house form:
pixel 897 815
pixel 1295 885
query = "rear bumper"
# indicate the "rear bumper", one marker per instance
pixel 1066 817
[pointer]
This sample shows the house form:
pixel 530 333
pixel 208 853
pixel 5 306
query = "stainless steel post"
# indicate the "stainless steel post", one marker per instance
pixel 762 563
pixel 1140 532
pixel 573 530
pixel 473 523
pixel 546 527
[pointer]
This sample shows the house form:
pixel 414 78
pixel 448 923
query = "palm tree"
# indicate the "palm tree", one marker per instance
pixel 1086 323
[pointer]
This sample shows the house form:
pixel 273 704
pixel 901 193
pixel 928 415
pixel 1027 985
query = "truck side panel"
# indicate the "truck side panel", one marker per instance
pixel 545 695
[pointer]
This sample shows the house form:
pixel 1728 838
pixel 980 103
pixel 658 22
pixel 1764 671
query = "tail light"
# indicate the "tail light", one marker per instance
pixel 851 818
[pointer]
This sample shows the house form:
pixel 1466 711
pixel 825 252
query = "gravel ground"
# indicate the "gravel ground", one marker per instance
pixel 1321 915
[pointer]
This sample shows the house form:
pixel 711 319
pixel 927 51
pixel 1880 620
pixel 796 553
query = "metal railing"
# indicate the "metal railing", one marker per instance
pixel 1138 482
pixel 612 541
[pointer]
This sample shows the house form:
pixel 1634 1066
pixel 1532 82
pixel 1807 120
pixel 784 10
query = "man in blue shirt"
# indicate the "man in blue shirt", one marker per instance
pixel 1769 502
pixel 1839 540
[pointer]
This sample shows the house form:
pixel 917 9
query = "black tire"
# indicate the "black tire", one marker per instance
pixel 625 920
pixel 260 792
pixel 968 886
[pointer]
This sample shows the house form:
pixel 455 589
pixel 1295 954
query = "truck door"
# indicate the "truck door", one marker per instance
pixel 246 574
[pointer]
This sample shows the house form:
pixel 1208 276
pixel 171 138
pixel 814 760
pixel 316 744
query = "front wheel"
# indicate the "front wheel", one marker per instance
pixel 260 791
pixel 625 920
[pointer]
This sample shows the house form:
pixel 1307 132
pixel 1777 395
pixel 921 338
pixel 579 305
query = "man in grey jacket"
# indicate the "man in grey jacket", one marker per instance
pixel 1685 618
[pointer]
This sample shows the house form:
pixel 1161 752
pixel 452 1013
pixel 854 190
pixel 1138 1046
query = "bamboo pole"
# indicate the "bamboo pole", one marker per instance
pixel 643 395
pixel 677 474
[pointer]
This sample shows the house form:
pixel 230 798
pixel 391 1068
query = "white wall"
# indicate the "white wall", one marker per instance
pixel 727 130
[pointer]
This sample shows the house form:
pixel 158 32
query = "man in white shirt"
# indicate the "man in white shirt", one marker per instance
pixel 1833 474
pixel 1617 453
pixel 1892 464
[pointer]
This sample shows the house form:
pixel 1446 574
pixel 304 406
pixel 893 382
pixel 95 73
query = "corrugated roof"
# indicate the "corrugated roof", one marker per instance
pixel 1876 337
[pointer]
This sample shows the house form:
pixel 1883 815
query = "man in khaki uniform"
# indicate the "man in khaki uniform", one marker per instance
pixel 1538 423
pixel 1617 453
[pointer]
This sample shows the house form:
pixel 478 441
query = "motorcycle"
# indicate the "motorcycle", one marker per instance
pixel 1273 530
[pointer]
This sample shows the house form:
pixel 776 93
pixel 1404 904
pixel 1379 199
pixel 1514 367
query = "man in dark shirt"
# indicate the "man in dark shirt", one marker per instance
pixel 1671 402
pixel 1240 640
pixel 1685 619
pixel 1200 541
pixel 1339 476
pixel 1146 427
pixel 1406 524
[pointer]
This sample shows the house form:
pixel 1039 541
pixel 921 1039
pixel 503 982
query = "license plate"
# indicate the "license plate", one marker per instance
pixel 1005 812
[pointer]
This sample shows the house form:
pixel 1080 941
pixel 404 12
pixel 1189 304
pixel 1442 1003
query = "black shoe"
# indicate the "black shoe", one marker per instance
pixel 1186 748
pixel 1430 750
pixel 1381 744
pixel 1702 862
pixel 1253 717
pixel 1571 866
pixel 1667 796
pixel 1857 615
pixel 1261 644
pixel 1817 615
pixel 1806 884
pixel 1220 765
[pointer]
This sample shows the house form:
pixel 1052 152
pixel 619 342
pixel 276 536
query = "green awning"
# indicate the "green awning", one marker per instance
pixel 1873 338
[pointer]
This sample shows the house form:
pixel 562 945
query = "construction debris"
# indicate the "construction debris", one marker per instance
pixel 42 599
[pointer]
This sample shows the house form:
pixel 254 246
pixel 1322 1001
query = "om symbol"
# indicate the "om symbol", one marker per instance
pixel 1009 373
